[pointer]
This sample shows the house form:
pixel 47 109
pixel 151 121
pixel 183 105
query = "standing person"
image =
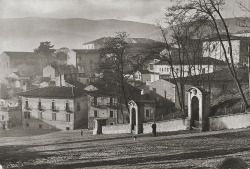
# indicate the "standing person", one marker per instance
pixel 81 132
pixel 154 129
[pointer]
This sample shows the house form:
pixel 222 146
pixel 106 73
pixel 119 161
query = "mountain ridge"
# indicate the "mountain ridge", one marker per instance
pixel 25 34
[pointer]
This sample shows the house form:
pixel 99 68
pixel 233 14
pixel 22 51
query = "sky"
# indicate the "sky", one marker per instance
pixel 146 11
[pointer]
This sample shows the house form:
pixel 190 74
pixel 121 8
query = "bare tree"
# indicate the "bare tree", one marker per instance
pixel 118 64
pixel 183 50
pixel 210 11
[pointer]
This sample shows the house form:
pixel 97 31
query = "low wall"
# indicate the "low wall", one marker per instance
pixel 116 129
pixel 233 121
pixel 166 126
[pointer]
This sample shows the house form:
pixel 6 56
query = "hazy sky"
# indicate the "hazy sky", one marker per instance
pixel 134 10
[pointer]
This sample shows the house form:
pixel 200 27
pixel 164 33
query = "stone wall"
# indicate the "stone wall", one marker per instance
pixel 234 121
pixel 116 129
pixel 166 126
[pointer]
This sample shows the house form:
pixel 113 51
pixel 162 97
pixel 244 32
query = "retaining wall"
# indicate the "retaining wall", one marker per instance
pixel 233 121
pixel 166 126
pixel 116 129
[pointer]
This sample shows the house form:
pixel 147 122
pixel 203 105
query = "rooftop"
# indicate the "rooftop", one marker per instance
pixel 223 75
pixel 197 61
pixel 21 54
pixel 54 92
pixel 102 40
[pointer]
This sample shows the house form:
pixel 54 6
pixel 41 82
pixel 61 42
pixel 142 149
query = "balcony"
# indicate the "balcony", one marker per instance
pixel 27 108
pixel 67 109
pixel 100 104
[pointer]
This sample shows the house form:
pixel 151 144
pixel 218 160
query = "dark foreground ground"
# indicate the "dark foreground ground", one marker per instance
pixel 68 149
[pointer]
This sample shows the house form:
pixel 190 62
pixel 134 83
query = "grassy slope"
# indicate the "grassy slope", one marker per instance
pixel 67 149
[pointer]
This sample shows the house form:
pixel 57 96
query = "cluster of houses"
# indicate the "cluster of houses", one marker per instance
pixel 63 92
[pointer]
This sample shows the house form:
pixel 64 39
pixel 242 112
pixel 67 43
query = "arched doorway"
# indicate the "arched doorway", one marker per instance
pixel 135 122
pixel 198 108
pixel 194 112
pixel 133 119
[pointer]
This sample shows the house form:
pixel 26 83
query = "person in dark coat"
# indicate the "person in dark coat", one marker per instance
pixel 154 129
pixel 81 132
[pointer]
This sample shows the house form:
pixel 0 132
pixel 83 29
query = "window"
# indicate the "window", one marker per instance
pixel 147 113
pixel 111 114
pixel 203 71
pixel 68 117
pixel 78 107
pixel 67 106
pixel 54 116
pixel 40 126
pixel 39 105
pixel 151 67
pixel 40 115
pixel 27 115
pixel 95 101
pixel 27 124
pixel 95 113
pixel 2 117
pixel 111 101
pixel 53 105
pixel 224 86
pixel 26 104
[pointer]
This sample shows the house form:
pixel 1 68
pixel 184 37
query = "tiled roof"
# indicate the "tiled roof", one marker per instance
pixel 147 72
pixel 223 75
pixel 197 61
pixel 102 40
pixel 63 69
pixel 85 51
pixel 21 54
pixel 54 92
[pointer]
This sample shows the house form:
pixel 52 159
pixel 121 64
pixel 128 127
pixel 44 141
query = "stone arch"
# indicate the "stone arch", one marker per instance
pixel 194 112
pixel 198 108
pixel 134 117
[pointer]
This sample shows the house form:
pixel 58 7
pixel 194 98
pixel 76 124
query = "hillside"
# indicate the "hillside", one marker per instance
pixel 25 34
pixel 233 24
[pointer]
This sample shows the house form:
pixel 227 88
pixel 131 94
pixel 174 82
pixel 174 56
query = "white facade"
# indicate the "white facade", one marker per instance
pixel 89 46
pixel 164 88
pixel 49 71
pixel 71 60
pixel 165 69
pixel 214 50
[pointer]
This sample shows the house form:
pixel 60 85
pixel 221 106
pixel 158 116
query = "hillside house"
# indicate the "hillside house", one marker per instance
pixel 53 71
pixel 148 77
pixel 164 89
pixel 103 103
pixel 85 61
pixel 24 63
pixel 217 82
pixel 201 65
pixel 64 108
pixel 10 115
pixel 98 43
pixel 239 45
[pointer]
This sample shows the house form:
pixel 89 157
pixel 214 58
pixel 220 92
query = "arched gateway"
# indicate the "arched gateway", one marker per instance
pixel 134 115
pixel 198 108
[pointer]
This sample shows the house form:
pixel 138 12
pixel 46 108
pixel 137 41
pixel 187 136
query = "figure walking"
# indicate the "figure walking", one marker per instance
pixel 154 129
pixel 81 132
